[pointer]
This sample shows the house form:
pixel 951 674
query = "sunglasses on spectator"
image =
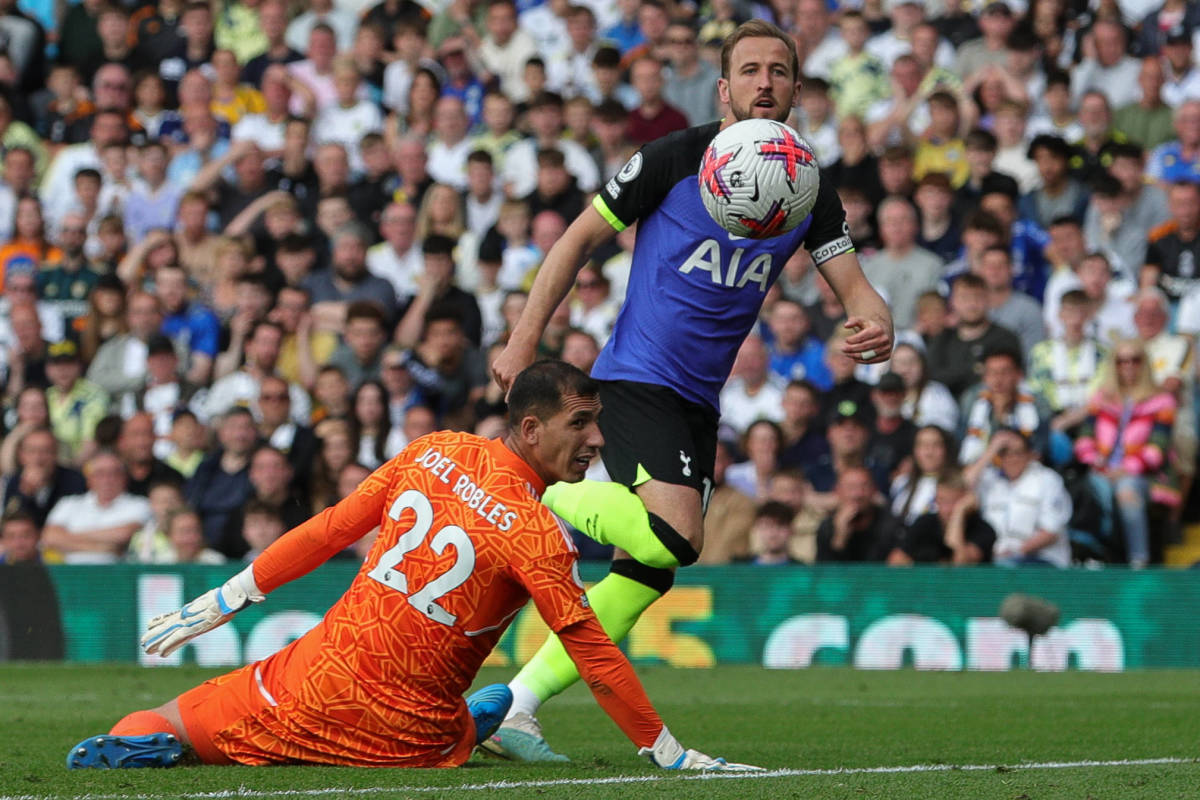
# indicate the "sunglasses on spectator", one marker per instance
pixel 1122 360
pixel 588 284
pixel 680 40
pixel 275 398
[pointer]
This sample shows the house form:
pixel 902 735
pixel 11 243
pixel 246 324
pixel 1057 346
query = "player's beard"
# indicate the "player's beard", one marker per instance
pixel 779 111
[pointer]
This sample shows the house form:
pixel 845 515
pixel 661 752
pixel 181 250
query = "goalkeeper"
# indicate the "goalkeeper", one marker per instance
pixel 463 543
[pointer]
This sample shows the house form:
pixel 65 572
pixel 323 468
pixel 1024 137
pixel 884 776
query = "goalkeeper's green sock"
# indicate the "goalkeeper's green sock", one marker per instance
pixel 618 601
pixel 612 514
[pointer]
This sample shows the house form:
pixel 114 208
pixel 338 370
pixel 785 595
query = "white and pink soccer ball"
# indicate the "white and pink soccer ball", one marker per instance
pixel 758 179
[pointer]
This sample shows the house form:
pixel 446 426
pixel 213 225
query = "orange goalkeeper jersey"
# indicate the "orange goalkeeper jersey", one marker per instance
pixel 463 543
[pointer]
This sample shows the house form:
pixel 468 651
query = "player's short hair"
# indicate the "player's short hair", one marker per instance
pixel 757 29
pixel 540 388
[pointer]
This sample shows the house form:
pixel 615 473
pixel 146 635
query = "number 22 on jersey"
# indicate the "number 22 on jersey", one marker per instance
pixel 389 572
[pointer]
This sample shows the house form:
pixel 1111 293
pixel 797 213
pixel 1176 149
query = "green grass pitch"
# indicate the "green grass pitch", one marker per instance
pixel 824 733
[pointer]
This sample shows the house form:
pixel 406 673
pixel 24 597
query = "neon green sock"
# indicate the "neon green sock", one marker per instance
pixel 611 514
pixel 618 602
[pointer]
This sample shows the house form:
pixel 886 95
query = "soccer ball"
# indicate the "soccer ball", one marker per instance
pixel 758 179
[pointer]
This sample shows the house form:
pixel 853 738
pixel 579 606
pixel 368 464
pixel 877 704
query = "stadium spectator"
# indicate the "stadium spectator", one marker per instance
pixel 1179 160
pixel 119 366
pixel 39 480
pixel 272 22
pixel 940 231
pixel 1112 228
pixel 221 482
pixel 150 545
pixel 272 486
pixel 448 372
pixel 371 424
pixel 1059 195
pixel 242 387
pixel 1014 311
pixel 1179 66
pixel 185 533
pixel 753 392
pixel 955 356
pixel 1112 298
pixel 546 124
pixel 1001 400
pixel 926 402
pixel 1126 440
pixel 1171 254
pixel 952 532
pixel 901 270
pixel 76 404
pixel 135 446
pixel 860 529
pixel 261 525
pixel 593 310
pixel 347 280
pixel 191 325
pixel 771 535
pixel 892 436
pixel 436 287
pixel 730 514
pixel 1025 502
pixel 19 539
pixel 1062 368
pixel 1148 122
pixel 95 527
pixel 913 490
pixel 794 352
pixel 690 79
pixel 762 443
pixel 1110 70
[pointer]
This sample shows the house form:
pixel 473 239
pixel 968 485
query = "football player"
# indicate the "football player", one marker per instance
pixel 694 293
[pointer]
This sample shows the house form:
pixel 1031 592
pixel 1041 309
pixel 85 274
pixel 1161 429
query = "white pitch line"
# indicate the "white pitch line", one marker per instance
pixel 491 786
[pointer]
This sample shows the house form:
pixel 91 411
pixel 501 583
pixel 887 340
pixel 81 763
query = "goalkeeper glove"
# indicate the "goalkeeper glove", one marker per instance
pixel 166 633
pixel 668 753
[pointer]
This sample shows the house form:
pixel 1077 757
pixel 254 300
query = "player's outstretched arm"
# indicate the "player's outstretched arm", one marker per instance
pixel 553 281
pixel 296 553
pixel 867 314
pixel 166 633
pixel 619 692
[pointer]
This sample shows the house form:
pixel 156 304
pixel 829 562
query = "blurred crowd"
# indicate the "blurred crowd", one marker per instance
pixel 251 249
